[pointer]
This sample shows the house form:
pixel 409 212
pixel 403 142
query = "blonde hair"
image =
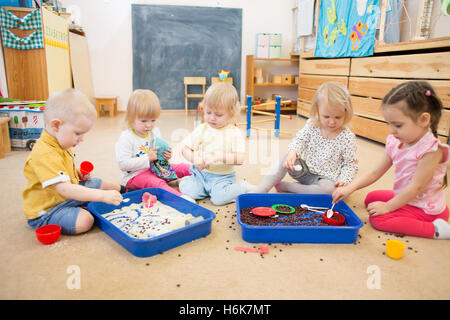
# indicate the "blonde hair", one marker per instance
pixel 142 104
pixel 336 95
pixel 222 96
pixel 67 104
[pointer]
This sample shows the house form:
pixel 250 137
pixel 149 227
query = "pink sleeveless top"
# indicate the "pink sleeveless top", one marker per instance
pixel 432 198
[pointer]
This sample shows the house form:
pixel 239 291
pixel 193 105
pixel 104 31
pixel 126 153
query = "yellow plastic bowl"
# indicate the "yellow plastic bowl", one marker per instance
pixel 394 249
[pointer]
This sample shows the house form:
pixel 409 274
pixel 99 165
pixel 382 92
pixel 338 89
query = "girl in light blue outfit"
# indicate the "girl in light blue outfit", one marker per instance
pixel 214 148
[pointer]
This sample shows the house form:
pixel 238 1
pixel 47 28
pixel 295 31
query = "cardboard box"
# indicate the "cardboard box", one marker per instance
pixel 277 79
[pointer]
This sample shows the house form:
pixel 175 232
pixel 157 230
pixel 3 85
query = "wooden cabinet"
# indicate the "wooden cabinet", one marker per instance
pixel 282 78
pixel 369 79
pixel 34 74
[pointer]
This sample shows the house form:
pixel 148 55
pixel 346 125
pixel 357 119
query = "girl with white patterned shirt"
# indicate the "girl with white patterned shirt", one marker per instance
pixel 322 156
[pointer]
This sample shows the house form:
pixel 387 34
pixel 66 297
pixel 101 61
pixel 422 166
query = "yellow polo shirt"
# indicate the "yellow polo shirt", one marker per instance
pixel 210 141
pixel 47 165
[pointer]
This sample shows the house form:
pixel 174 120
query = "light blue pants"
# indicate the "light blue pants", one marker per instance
pixel 222 189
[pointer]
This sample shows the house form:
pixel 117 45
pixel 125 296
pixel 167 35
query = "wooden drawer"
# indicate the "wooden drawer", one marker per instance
pixel 379 87
pixel 368 128
pixel 417 66
pixel 305 94
pixel 335 67
pixel 303 108
pixel 371 108
pixel 313 82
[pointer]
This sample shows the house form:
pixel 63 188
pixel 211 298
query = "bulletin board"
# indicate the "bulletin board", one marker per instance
pixel 173 42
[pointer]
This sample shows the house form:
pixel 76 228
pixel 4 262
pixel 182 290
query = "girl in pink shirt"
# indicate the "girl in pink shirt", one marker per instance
pixel 417 204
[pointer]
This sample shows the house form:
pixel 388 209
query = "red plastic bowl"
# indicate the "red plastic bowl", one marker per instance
pixel 332 221
pixel 48 234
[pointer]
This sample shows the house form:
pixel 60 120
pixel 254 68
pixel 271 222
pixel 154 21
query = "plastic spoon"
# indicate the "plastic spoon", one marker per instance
pixel 264 248
pixel 305 206
pixel 330 212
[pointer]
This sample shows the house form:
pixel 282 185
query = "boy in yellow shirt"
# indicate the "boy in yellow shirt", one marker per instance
pixel 54 193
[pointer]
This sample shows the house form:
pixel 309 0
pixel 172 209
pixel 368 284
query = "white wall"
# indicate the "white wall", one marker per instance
pixel 107 24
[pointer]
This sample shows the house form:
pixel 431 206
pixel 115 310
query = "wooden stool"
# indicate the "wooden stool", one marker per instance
pixel 110 101
pixel 5 143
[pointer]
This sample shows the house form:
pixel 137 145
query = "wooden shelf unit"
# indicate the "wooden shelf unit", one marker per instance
pixel 369 79
pixel 250 80
pixel 34 74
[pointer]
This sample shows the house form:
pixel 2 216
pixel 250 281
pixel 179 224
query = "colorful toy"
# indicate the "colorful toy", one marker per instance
pixel 148 199
pixel 263 211
pixel 223 75
pixel 48 234
pixel 279 208
pixel 276 116
pixel 394 249
pixel 264 248
pixel 161 167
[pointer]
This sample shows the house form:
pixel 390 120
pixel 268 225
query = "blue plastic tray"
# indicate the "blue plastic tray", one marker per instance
pixel 297 234
pixel 158 244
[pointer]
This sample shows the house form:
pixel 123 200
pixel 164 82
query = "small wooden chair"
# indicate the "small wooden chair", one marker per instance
pixel 110 101
pixel 194 81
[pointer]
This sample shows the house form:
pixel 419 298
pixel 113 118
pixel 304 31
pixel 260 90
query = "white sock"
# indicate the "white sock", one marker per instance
pixel 248 187
pixel 442 229
pixel 184 196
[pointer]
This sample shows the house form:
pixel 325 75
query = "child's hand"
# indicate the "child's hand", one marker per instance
pixel 112 197
pixel 290 160
pixel 152 154
pixel 378 207
pixel 199 162
pixel 84 176
pixel 211 159
pixel 341 193
pixel 167 154
pixel 340 184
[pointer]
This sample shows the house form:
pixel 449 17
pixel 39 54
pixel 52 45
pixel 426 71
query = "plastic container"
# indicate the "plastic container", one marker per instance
pixel 394 249
pixel 48 234
pixel 297 234
pixel 86 167
pixel 161 243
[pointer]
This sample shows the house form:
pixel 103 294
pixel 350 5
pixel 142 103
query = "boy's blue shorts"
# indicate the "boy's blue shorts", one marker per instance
pixel 66 213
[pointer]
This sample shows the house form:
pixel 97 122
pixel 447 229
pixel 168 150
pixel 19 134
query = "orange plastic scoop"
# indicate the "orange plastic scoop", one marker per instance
pixel 264 248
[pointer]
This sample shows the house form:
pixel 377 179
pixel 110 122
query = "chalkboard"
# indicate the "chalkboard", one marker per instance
pixel 173 42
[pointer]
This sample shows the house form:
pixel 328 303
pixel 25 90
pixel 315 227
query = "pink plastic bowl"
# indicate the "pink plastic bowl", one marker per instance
pixel 48 234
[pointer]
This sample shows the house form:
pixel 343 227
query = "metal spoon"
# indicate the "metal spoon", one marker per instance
pixel 330 212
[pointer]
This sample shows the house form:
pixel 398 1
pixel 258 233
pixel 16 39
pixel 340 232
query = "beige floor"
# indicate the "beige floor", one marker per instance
pixel 209 268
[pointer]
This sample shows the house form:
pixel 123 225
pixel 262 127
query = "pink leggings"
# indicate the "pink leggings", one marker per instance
pixel 147 179
pixel 407 220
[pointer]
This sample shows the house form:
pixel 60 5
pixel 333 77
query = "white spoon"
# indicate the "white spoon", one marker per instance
pixel 330 211
pixel 305 206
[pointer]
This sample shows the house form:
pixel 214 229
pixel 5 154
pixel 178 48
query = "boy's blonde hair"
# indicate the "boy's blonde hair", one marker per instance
pixel 337 96
pixel 143 103
pixel 67 104
pixel 222 96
